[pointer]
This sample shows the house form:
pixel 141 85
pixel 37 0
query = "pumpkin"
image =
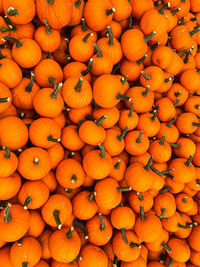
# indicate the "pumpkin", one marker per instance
pixel 9 185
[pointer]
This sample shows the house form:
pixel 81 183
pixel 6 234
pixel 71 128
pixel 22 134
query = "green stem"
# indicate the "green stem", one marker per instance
pixel 51 139
pixel 154 46
pixel 146 76
pixel 48 55
pixel 197 106
pixel 5 29
pixel 55 92
pixel 166 247
pixel 173 12
pixel 56 215
pixel 167 189
pixel 134 245
pixel 11 11
pixel 110 11
pixel 81 226
pixel 48 29
pixel 110 42
pixel 68 190
pixel 79 85
pixel 7 216
pixel 124 235
pixel 148 165
pixel 122 135
pixel 84 26
pixel 53 82
pixel 50 2
pixel 117 165
pixel 100 120
pixel 26 202
pixel 124 80
pixel 74 179
pixel 85 72
pixel 187 163
pixel 78 3
pixel 130 22
pixel 10 24
pixel 154 115
pixel 170 263
pixel 140 196
pixel 36 161
pixel 123 189
pixel 138 140
pixel 186 59
pixel 168 79
pixel 1 55
pixel 70 232
pixel 141 59
pixel 196 124
pixel 149 37
pixel 196 29
pixel 102 226
pixel 145 93
pixel 14 40
pixel 91 196
pixel 25 264
pixel 156 171
pixel 198 181
pixel 184 199
pixel 123 97
pixel 28 88
pixel 162 140
pixel 163 8
pixel 166 171
pixel 130 115
pixel 143 217
pixel 169 124
pixel 102 154
pixel 7 152
pixel 174 145
pixel 163 211
pixel 99 54
pixel 19 242
pixel 181 21
pixel 187 225
pixel 177 101
pixel 181 53
pixel 85 39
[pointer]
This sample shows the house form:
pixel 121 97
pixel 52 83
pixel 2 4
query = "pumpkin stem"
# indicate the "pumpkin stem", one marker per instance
pixel 55 92
pixel 102 226
pixel 197 106
pixel 79 85
pixel 163 8
pixel 81 226
pixel 156 171
pixel 26 202
pixel 117 165
pixel 48 29
pixel 122 135
pixel 10 24
pixel 184 199
pixel 70 155
pixel 177 101
pixel 1 55
pixel 84 26
pixel 11 11
pixel 91 196
pixel 154 46
pixel 143 217
pixel 138 140
pixel 53 82
pixel 48 55
pixel 7 152
pixel 166 247
pixel 149 37
pixel 12 39
pixel 36 161
pixel 169 124
pixel 99 54
pixel 124 80
pixel 187 225
pixel 100 120
pixel 68 190
pixel 85 72
pixel 140 196
pixel 145 93
pixel 123 189
pixel 174 145
pixel 155 114
pixel 133 245
pixel 173 12
pixel 146 76
pixel 56 215
pixel 189 160
pixel 24 264
pixel 19 242
pixel 130 115
pixel 167 189
pixel 115 261
pixel 180 22
pixel 166 171
pixel 85 39
pixel 130 22
pixel 169 175
pixel 141 59
pixel 162 140
pixel 28 88
pixel 198 181
pixel 51 139
pixel 79 125
pixel 196 124
pixel 124 235
pixel 168 79
pixel 74 179
pixel 50 2
pixel 5 29
pixel 170 263
pixel 102 154
pixel 7 217
pixel 78 3
pixel 196 29
pixel 110 11
pixel 110 42
pixel 163 211
pixel 186 59
pixel 147 167
pixel 70 232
